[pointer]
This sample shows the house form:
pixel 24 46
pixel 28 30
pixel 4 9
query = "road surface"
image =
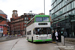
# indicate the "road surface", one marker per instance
pixel 23 44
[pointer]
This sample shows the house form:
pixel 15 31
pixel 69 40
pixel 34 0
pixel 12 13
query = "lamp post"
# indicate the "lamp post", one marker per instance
pixel 31 13
pixel 44 6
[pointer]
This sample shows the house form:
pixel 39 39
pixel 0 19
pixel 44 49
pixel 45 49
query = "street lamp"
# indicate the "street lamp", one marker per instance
pixel 31 13
pixel 44 6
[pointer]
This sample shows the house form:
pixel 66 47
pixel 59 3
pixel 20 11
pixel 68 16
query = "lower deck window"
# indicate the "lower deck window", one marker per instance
pixel 29 33
pixel 42 31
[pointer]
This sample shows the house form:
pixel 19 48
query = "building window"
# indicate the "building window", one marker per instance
pixel 24 28
pixel 15 12
pixel 25 22
pixel 15 16
pixel 25 25
pixel 1 16
pixel 74 4
pixel 25 18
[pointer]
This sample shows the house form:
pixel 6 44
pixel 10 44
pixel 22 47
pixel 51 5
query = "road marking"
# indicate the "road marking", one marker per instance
pixel 14 44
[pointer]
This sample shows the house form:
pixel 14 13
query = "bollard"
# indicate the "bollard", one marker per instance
pixel 62 40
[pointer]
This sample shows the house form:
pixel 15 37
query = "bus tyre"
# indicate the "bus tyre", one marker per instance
pixel 27 39
pixel 32 39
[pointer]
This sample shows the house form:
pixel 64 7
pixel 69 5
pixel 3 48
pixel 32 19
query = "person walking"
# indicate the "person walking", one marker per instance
pixel 59 35
pixel 56 35
pixel 65 33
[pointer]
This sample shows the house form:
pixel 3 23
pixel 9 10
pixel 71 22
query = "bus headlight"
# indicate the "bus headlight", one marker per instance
pixel 49 35
pixel 36 37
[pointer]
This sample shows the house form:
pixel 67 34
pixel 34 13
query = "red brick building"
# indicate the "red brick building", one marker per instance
pixel 3 24
pixel 18 24
pixel 9 26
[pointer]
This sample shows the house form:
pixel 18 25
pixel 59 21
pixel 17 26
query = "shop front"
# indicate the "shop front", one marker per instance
pixel 67 25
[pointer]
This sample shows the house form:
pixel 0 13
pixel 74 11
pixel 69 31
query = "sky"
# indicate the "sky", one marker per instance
pixel 24 6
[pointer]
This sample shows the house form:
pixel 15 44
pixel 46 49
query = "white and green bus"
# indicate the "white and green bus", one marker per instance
pixel 38 29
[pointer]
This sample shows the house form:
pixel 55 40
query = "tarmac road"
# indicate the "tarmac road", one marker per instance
pixel 23 44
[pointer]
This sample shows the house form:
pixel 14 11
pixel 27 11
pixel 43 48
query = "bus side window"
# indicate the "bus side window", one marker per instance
pixel 49 31
pixel 33 31
pixel 29 33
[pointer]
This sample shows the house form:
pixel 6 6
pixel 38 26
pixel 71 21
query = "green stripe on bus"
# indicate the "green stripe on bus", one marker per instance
pixel 29 40
pixel 42 40
pixel 42 16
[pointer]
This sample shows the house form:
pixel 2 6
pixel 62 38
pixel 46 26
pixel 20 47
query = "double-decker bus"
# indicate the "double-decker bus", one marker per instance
pixel 38 29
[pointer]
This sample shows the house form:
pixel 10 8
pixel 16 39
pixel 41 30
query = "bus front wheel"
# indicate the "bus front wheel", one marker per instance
pixel 32 39
pixel 27 39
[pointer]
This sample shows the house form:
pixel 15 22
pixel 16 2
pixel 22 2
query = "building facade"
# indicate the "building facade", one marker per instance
pixel 3 24
pixel 41 14
pixel 63 16
pixel 18 24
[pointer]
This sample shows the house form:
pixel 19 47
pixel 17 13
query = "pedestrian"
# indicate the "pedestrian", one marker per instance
pixel 53 35
pixel 56 35
pixel 65 33
pixel 59 35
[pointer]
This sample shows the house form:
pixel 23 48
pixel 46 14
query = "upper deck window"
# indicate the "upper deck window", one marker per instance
pixel 38 19
pixel 45 18
pixel 41 19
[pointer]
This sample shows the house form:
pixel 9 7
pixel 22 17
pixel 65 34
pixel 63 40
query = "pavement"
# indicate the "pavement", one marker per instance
pixel 67 46
pixel 23 44
pixel 7 45
pixel 6 38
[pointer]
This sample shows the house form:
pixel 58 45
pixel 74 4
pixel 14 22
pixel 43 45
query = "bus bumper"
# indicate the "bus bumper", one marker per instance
pixel 42 40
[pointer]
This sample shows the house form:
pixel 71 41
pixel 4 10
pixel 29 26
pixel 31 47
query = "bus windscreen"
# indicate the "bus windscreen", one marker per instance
pixel 39 31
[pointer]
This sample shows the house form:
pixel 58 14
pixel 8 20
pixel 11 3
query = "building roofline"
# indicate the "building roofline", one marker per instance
pixel 2 13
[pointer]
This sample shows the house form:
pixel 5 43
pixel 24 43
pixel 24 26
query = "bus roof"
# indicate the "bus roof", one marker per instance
pixel 41 16
pixel 38 16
